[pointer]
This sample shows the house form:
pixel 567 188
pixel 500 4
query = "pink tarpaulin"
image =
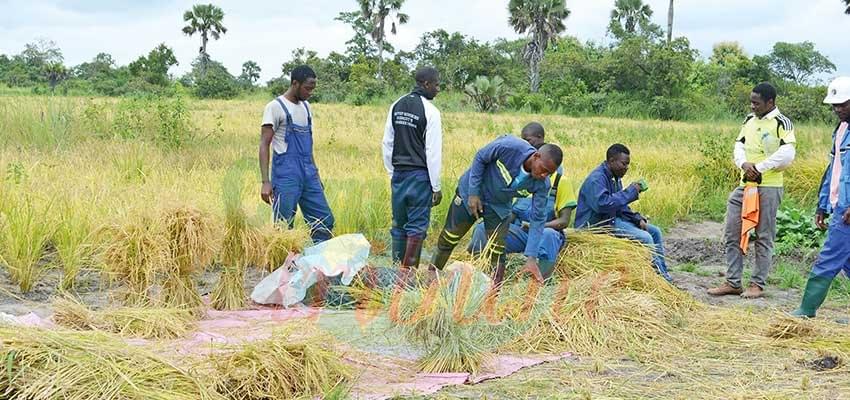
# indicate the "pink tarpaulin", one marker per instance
pixel 385 378
pixel 377 376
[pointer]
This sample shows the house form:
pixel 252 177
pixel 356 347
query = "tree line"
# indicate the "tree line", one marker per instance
pixel 644 71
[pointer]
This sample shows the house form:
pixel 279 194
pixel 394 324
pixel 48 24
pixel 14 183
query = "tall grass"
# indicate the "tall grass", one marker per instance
pixel 73 240
pixel 25 229
pixel 77 148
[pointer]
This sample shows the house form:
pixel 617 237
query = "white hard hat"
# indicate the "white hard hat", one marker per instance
pixel 838 91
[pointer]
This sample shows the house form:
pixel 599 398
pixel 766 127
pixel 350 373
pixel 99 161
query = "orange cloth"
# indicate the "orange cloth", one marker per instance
pixel 749 213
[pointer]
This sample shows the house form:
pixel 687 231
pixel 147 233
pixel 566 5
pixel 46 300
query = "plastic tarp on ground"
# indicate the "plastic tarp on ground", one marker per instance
pixel 343 256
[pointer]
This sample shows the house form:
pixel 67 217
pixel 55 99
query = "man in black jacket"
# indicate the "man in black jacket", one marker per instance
pixel 412 152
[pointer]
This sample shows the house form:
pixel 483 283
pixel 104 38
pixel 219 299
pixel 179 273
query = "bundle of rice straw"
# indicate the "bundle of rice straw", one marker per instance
pixel 595 315
pixel 192 242
pixel 134 251
pixel 276 242
pixel 137 322
pixel 787 327
pixel 41 364
pixel 445 320
pixel 229 292
pixel 281 367
pixel 591 250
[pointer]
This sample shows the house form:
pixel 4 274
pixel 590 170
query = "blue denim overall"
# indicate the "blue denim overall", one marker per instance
pixel 296 182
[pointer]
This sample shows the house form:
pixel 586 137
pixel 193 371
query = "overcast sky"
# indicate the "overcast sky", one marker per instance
pixel 267 31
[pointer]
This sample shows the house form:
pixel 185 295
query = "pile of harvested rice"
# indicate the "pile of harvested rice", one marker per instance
pixel 444 320
pixel 281 367
pixel 138 322
pixel 590 251
pixel 41 364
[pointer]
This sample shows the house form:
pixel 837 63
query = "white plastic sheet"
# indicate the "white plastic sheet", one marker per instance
pixel 343 256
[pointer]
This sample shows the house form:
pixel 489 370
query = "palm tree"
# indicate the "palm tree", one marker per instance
pixel 630 14
pixel 55 72
pixel 206 20
pixel 376 12
pixel 670 22
pixel 543 20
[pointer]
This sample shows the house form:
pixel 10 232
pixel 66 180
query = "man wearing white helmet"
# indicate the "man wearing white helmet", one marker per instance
pixel 833 199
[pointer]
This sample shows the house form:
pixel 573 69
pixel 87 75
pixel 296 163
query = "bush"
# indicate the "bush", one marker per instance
pixel 803 103
pixel 488 94
pixel 217 83
pixel 795 230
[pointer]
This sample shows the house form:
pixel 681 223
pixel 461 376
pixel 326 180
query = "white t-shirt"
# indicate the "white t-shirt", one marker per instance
pixel 276 117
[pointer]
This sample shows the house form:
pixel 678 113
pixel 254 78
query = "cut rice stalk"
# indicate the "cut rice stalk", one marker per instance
pixel 191 245
pixel 277 242
pixel 135 251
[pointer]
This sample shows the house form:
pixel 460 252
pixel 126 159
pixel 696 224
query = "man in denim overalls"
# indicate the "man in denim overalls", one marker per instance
pixel 834 199
pixel 294 180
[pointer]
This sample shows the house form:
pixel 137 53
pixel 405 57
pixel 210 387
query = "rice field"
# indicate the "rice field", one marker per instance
pixel 151 200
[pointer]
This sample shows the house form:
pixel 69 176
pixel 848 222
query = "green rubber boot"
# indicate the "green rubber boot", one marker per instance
pixel 816 289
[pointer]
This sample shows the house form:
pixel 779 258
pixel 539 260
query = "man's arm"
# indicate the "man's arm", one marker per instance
pixel 486 155
pixel 609 203
pixel 266 135
pixel 784 155
pixel 562 221
pixel 388 142
pixel 629 215
pixel 537 220
pixel 434 146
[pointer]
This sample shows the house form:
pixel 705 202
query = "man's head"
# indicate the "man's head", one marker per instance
pixel 428 79
pixel 763 99
pixel 534 134
pixel 618 158
pixel 545 161
pixel 302 82
pixel 838 95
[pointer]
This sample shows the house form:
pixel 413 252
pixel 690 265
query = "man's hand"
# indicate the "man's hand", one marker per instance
pixel 751 174
pixel 476 206
pixel 642 224
pixel 525 226
pixel 847 217
pixel 267 192
pixel 820 220
pixel 436 198
pixel 533 269
pixel 636 185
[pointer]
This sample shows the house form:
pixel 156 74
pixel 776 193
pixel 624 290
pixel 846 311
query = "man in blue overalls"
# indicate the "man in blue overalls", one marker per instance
pixel 294 180
pixel 500 171
pixel 834 198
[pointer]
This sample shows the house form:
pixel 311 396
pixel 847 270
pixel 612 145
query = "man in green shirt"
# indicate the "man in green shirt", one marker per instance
pixel 764 148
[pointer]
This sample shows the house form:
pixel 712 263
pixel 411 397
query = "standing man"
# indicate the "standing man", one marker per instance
pixel 499 172
pixel 294 180
pixel 764 148
pixel 413 153
pixel 834 199
pixel 602 201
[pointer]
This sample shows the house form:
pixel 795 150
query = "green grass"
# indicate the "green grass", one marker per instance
pixel 787 275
